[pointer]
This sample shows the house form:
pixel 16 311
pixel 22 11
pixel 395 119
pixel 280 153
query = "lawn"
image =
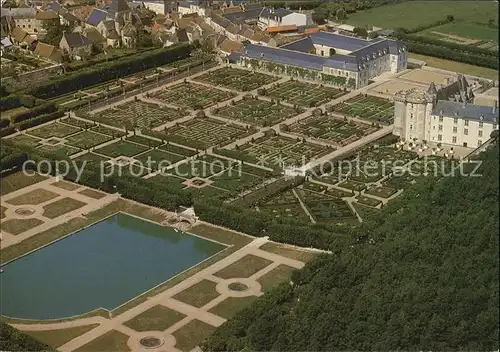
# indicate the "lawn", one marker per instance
pixel 467 30
pixel 33 197
pixel 415 14
pixel 111 341
pixel 456 66
pixel 199 294
pixel 17 226
pixel 92 193
pixel 144 141
pixel 288 251
pixel 25 140
pixel 243 268
pixel 157 318
pixel 383 192
pixel 18 181
pixel 68 186
pixel 232 305
pixel 121 148
pixel 61 206
pixel 61 149
pixel 57 338
pixel 154 159
pixel 221 235
pixel 192 334
pixel 282 273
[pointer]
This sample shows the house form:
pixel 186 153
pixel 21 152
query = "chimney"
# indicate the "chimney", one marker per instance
pixel 495 106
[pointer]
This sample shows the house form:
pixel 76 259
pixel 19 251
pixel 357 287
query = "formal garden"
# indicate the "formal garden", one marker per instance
pixel 256 111
pixel 137 114
pixel 367 107
pixel 192 96
pixel 329 129
pixel 276 151
pixel 301 93
pixel 237 79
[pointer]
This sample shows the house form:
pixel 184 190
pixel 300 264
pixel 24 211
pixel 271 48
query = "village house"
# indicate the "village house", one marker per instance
pixel 270 17
pixel 48 52
pixel 75 45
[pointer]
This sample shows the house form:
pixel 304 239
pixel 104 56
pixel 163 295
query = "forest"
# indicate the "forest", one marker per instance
pixel 422 275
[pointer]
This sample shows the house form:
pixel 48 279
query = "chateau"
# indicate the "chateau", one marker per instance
pixel 444 115
pixel 328 57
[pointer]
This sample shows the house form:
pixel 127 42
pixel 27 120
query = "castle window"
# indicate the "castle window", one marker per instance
pixel 466 132
pixel 479 142
pixel 440 118
pixel 454 140
pixel 411 116
pixel 440 127
pixel 455 120
pixel 480 133
pixel 466 122
pixel 454 130
pixel 440 137
pixel 481 124
pixel 411 127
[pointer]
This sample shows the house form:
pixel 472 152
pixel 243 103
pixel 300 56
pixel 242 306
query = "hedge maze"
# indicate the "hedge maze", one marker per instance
pixel 330 129
pixel 303 94
pixel 256 112
pixel 137 114
pixel 367 107
pixel 192 96
pixel 237 79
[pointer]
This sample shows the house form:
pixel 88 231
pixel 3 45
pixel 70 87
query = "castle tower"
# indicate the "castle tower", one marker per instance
pixel 412 113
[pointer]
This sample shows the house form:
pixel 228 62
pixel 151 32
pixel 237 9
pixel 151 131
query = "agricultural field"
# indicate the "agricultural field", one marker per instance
pixel 256 112
pixel 277 151
pixel 465 33
pixel 303 94
pixel 416 14
pixel 203 133
pixel 192 96
pixel 330 129
pixel 237 79
pixel 367 107
pixel 137 114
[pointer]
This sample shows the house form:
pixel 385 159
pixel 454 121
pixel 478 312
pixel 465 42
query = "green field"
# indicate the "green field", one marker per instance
pixel 467 30
pixel 421 13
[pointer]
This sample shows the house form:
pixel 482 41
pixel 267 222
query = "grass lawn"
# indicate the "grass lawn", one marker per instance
pixel 192 334
pixel 232 305
pixel 25 140
pixel 7 114
pixel 368 201
pixel 421 13
pixel 121 148
pixel 17 181
pixel 33 197
pixel 467 30
pixel 92 193
pixel 68 186
pixel 199 294
pixel 61 206
pixel 245 267
pixel 220 235
pixel 111 341
pixel 456 66
pixel 62 150
pixel 275 277
pixel 57 338
pixel 288 252
pixel 383 192
pixel 17 226
pixel 157 318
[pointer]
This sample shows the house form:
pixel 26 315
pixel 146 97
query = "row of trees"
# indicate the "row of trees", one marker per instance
pixel 421 274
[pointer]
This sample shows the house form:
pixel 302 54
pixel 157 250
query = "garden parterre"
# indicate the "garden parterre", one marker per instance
pixel 192 96
pixel 367 107
pixel 137 113
pixel 303 94
pixel 256 111
pixel 237 79
pixel 330 129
